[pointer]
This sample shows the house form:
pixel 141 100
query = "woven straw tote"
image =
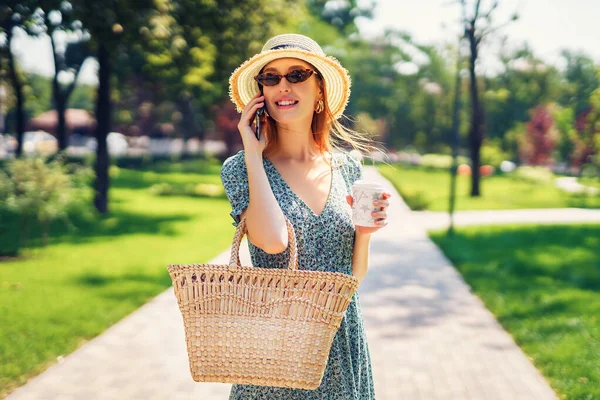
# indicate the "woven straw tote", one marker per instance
pixel 260 326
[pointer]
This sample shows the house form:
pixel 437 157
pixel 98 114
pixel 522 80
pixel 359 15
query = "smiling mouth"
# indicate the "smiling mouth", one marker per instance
pixel 286 103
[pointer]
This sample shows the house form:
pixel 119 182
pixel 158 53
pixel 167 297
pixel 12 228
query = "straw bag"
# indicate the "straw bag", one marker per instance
pixel 260 326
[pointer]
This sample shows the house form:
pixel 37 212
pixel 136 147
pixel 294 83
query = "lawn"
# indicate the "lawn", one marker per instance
pixel 54 299
pixel 593 182
pixel 423 189
pixel 543 285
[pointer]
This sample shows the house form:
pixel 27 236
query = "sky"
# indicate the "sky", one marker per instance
pixel 547 25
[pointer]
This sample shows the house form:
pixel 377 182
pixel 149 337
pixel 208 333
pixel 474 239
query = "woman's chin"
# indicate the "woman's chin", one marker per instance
pixel 290 117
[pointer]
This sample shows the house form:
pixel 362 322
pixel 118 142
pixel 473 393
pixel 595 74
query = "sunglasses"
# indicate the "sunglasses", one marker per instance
pixel 294 76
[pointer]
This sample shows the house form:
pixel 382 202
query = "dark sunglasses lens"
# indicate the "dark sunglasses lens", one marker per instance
pixel 297 75
pixel 268 79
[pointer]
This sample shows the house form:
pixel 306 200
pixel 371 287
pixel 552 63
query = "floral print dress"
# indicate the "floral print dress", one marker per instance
pixel 325 243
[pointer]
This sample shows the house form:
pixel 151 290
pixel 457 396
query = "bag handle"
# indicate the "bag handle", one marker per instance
pixel 241 230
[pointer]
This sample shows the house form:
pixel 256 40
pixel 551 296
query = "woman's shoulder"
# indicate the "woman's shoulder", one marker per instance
pixel 234 164
pixel 348 159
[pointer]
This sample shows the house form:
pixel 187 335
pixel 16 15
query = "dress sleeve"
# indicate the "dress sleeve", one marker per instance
pixel 355 168
pixel 234 177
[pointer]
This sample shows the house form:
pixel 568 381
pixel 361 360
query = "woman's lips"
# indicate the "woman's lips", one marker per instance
pixel 286 106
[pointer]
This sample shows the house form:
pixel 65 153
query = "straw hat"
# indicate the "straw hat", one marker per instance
pixel 242 86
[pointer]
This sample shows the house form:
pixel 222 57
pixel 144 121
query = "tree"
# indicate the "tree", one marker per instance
pixel 565 123
pixel 587 143
pixel 341 14
pixel 524 83
pixel 182 67
pixel 112 25
pixel 57 17
pixel 15 14
pixel 581 81
pixel 477 26
pixel 537 145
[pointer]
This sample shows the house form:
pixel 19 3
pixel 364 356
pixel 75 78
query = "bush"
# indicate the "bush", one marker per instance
pixel 533 174
pixel 589 171
pixel 198 190
pixel 9 241
pixel 492 155
pixel 34 189
pixel 440 161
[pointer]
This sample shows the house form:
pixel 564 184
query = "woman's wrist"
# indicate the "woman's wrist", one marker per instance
pixel 363 236
pixel 253 157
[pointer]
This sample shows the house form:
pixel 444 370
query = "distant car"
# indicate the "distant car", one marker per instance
pixel 39 142
pixel 116 142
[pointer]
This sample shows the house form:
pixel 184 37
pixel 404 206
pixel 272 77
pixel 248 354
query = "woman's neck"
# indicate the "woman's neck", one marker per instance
pixel 296 144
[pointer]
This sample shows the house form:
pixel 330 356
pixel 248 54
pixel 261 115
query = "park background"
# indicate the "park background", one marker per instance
pixel 127 105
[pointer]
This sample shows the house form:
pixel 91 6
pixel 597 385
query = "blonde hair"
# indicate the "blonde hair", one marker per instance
pixel 329 134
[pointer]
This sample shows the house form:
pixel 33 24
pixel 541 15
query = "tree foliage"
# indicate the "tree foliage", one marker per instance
pixel 539 142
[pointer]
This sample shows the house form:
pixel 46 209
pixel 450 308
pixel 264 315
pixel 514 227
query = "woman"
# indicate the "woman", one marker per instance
pixel 292 172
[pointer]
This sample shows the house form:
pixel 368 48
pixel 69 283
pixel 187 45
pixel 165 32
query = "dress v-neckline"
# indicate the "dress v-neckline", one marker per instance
pixel 327 201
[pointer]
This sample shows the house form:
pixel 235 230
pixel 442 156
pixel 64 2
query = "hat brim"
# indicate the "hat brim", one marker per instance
pixel 243 87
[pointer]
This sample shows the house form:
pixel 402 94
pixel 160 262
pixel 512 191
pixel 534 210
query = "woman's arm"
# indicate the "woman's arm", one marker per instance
pixel 360 256
pixel 264 219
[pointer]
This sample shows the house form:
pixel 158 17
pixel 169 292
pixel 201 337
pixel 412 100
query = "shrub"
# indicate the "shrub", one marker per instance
pixel 533 174
pixel 486 170
pixel 492 155
pixel 589 171
pixel 440 161
pixel 9 242
pixel 464 169
pixel 193 190
pixel 42 191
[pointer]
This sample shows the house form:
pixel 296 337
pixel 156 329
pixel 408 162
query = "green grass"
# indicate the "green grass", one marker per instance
pixel 593 182
pixel 430 190
pixel 54 299
pixel 543 285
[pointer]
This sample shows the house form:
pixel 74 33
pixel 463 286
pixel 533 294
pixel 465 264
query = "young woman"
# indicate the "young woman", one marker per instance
pixel 297 170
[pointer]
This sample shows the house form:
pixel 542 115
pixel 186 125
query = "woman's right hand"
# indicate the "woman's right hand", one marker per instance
pixel 246 128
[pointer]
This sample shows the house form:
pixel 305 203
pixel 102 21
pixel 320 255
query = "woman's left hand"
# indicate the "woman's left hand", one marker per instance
pixel 380 216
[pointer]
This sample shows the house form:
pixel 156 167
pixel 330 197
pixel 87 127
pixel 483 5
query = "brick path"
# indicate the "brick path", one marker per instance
pixel 429 337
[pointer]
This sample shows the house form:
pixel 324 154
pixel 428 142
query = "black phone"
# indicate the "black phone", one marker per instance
pixel 257 118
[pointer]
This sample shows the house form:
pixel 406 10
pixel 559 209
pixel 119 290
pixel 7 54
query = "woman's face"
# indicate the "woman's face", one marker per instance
pixel 291 102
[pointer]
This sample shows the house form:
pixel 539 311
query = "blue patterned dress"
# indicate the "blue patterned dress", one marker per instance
pixel 325 243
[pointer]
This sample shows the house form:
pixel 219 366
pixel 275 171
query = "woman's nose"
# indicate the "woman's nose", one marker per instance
pixel 284 85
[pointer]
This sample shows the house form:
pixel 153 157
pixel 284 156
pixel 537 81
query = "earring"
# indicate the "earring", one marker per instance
pixel 320 107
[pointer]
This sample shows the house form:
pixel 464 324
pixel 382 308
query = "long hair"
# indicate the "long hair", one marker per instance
pixel 328 133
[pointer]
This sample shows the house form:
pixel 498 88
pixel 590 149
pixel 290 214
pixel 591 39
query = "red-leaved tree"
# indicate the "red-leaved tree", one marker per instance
pixel 538 142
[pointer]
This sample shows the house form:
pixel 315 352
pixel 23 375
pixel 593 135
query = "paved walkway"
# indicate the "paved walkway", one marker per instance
pixel 430 338
pixel 570 184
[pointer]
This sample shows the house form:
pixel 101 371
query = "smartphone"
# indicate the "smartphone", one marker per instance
pixel 257 118
pixel 258 115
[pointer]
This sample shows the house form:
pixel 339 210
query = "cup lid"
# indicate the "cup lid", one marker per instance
pixel 363 184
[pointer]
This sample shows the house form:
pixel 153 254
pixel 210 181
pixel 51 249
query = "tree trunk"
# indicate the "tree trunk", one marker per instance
pixel 45 232
pixel 476 131
pixel 60 103
pixel 61 130
pixel 188 123
pixel 455 137
pixel 103 114
pixel 18 88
